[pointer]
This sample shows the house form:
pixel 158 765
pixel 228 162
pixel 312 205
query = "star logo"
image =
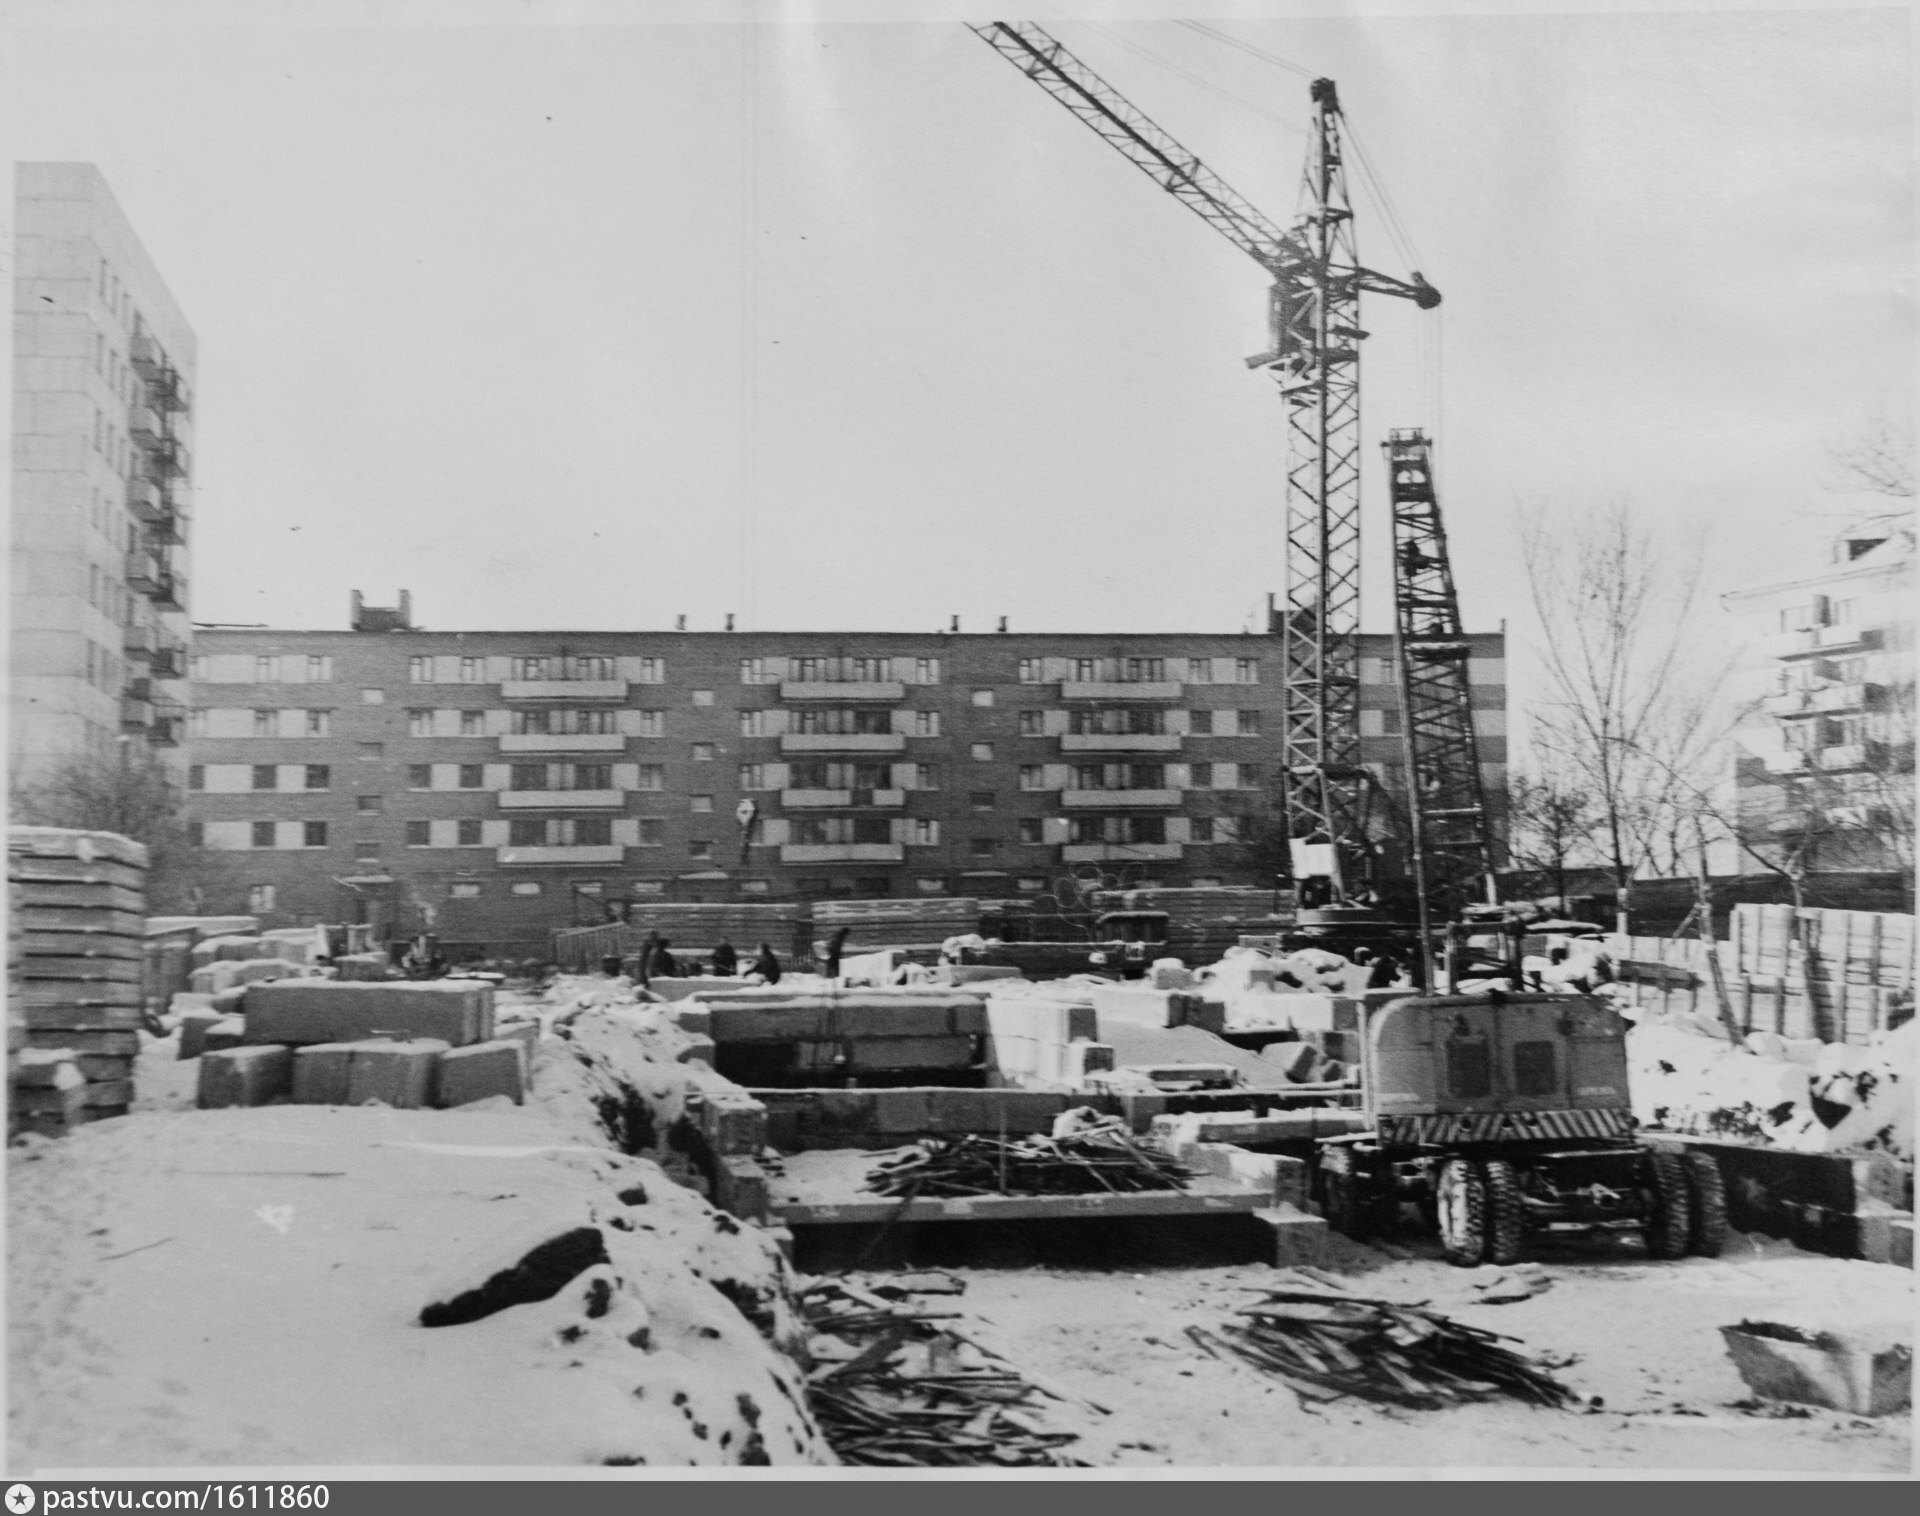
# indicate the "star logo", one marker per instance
pixel 20 1499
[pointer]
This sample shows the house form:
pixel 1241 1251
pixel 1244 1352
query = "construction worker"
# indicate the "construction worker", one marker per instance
pixel 643 971
pixel 766 965
pixel 725 960
pixel 664 963
pixel 835 944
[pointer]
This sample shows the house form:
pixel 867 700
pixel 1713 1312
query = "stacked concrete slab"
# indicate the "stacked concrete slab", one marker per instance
pixel 857 1030
pixel 79 899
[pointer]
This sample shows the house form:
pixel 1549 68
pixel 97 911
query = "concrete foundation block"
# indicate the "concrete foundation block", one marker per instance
pixel 1885 1234
pixel 765 1024
pixel 906 1112
pixel 363 968
pixel 399 1074
pixel 740 1188
pixel 693 1018
pixel 1298 1238
pixel 980 973
pixel 1296 1060
pixel 914 1053
pixel 480 1071
pixel 1134 1005
pixel 320 1073
pixel 227 1032
pixel 734 1123
pixel 884 1021
pixel 1076 1060
pixel 1206 1075
pixel 194 1026
pixel 45 1069
pixel 231 1002
pixel 697 1050
pixel 527 1035
pixel 308 1011
pixel 244 1076
pixel 1196 1010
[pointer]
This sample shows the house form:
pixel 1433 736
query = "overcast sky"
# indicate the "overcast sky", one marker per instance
pixel 850 325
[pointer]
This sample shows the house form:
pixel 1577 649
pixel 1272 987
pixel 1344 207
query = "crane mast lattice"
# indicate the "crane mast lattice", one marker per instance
pixel 1313 319
pixel 1451 840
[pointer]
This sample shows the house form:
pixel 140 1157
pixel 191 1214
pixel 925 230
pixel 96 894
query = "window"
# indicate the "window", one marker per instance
pixel 371 752
pixel 652 671
pixel 319 776
pixel 419 723
pixel 1031 830
pixel 981 800
pixel 473 724
pixel 1202 776
pixel 1032 670
pixel 587 887
pixel 1248 777
pixel 1199 723
pixel 653 832
pixel 926 671
pixel 1226 828
pixel 419 776
pixel 264 671
pixel 983 697
pixel 527 776
pixel 367 805
pixel 526 670
pixel 314 833
pixel 702 805
pixel 419 833
pixel 263 834
pixel 703 697
pixel 463 891
pixel 924 833
pixel 926 777
pixel 525 887
pixel 373 697
pixel 1199 671
pixel 1249 723
pixel 753 776
pixel 982 847
pixel 1033 724
pixel 1032 777
pixel 982 752
pixel 266 723
pixel 319 723
pixel 1145 670
pixel 592 831
pixel 473 776
pixel 197 777
pixel 753 671
pixel 756 723
pixel 1246 671
pixel 524 832
pixel 319 669
pixel 473 671
pixel 260 898
pixel 650 776
pixel 1200 829
pixel 653 723
pixel 700 850
pixel 591 666
pixel 592 776
pixel 266 776
pixel 420 671
pixel 703 752
pixel 468 833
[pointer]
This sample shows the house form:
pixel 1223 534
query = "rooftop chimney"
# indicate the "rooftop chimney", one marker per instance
pixel 381 618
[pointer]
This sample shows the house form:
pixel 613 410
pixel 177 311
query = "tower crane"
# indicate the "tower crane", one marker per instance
pixel 1314 352
pixel 1452 844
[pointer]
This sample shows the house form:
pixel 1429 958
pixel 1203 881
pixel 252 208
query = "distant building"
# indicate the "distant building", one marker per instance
pixel 103 369
pixel 1824 771
pixel 501 783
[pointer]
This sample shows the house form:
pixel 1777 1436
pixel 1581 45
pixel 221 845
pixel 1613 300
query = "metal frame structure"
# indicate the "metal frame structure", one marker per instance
pixel 1452 841
pixel 1314 321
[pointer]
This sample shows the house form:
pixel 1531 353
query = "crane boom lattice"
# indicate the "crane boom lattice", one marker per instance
pixel 1452 839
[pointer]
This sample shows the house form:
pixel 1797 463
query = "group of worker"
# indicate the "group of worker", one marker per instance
pixel 656 960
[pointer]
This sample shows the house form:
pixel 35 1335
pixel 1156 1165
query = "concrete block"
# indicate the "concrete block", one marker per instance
pixel 229 1002
pixel 1298 1238
pixel 1296 1060
pixel 223 949
pixel 244 1076
pixel 885 1021
pixel 1079 1059
pixel 321 1073
pixel 527 1035
pixel 1017 1112
pixel 1196 1010
pixel 980 973
pixel 914 1053
pixel 740 1188
pixel 1885 1234
pixel 765 1024
pixel 1866 1375
pixel 832 1118
pixel 50 1112
pixel 308 1011
pixel 1134 1005
pixel 399 1074
pixel 1041 1020
pixel 693 1018
pixel 906 1112
pixel 45 1069
pixel 228 973
pixel 194 1027
pixel 1169 974
pixel 227 1032
pixel 733 1122
pixel 482 1070
pixel 697 1050
pixel 1140 1109
pixel 183 1001
pixel 362 968
pixel 1206 1075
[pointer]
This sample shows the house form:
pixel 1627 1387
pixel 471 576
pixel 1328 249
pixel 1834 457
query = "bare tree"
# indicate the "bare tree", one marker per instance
pixel 129 792
pixel 1550 825
pixel 1624 716
pixel 1878 457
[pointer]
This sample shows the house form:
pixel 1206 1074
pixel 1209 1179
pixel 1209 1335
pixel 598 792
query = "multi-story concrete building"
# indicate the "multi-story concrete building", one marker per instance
pixel 498 783
pixel 103 368
pixel 1824 771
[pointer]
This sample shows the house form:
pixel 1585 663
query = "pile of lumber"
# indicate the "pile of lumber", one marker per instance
pixel 1325 1343
pixel 78 902
pixel 1104 1160
pixel 891 1385
pixel 875 924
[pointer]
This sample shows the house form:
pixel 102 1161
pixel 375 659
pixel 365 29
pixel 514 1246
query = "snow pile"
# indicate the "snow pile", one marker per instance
pixel 1810 1097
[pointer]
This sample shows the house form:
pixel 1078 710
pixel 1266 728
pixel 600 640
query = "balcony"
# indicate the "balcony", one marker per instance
pixel 169 661
pixel 1852 755
pixel 563 689
pixel 1840 697
pixel 1093 800
pixel 552 800
pixel 145 500
pixel 842 852
pixel 1834 639
pixel 136 715
pixel 1118 852
pixel 610 852
pixel 1815 639
pixel 562 742
pixel 148 361
pixel 145 573
pixel 139 688
pixel 1785 760
pixel 144 423
pixel 168 527
pixel 1120 742
pixel 843 742
pixel 169 724
pixel 833 800
pixel 1119 689
pixel 172 593
pixel 851 691
pixel 1788 703
pixel 139 642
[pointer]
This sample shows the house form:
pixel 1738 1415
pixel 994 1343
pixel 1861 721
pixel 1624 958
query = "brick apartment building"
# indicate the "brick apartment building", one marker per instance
pixel 497 784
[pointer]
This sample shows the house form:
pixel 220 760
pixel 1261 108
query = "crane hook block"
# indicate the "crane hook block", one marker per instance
pixel 1426 297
